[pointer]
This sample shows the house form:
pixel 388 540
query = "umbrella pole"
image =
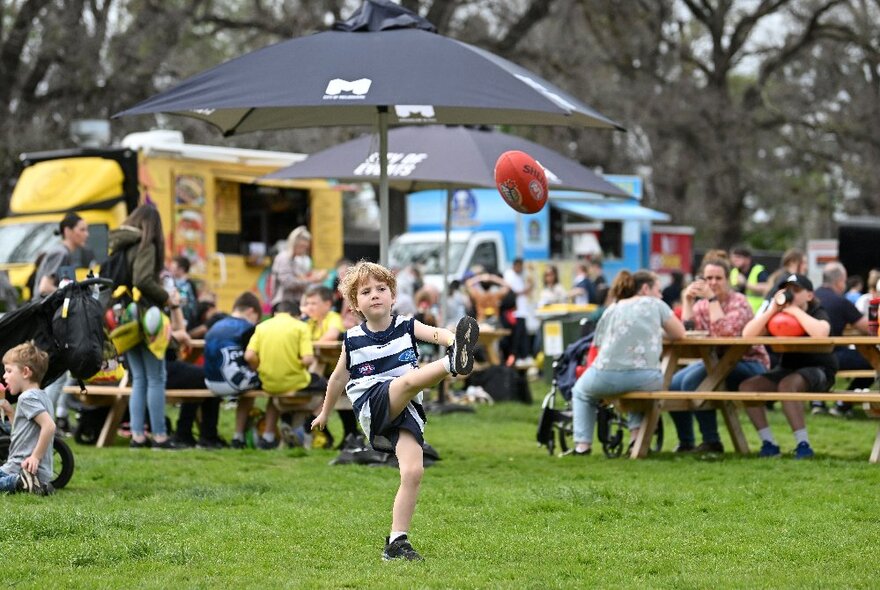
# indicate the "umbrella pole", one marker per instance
pixel 445 293
pixel 384 213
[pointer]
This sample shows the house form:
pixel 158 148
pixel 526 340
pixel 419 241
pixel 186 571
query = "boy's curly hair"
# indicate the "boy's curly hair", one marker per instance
pixel 358 274
pixel 28 355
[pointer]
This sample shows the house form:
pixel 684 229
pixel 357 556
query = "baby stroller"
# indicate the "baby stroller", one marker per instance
pixel 34 321
pixel 556 424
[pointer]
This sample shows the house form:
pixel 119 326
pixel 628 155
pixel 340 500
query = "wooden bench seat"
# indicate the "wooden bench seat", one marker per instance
pixel 116 396
pixel 750 396
pixel 654 402
pixel 857 374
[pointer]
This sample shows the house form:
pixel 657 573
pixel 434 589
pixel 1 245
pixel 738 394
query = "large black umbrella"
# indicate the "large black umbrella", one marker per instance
pixel 384 66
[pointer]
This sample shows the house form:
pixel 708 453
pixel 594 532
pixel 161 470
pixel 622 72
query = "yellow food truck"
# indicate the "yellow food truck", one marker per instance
pixel 215 208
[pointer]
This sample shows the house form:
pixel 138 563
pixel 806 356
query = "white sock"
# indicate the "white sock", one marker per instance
pixel 446 364
pixel 396 535
pixel 269 436
pixel 766 435
pixel 238 436
pixel 801 436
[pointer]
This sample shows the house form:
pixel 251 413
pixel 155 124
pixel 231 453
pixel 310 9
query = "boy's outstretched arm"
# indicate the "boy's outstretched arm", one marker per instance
pixel 426 333
pixel 335 387
pixel 47 432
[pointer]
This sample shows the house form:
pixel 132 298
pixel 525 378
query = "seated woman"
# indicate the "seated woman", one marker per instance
pixel 710 304
pixel 630 341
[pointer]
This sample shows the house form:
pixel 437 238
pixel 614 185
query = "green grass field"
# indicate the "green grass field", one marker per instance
pixel 497 511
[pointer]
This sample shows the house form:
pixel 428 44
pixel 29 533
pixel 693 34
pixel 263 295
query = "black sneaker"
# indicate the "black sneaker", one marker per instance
pixel 400 549
pixel 29 484
pixel 710 447
pixel 237 443
pixel 144 444
pixel 184 442
pixel 212 443
pixel 266 445
pixel 684 448
pixel 461 353
pixel 169 444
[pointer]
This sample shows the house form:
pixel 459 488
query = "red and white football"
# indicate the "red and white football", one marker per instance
pixel 521 181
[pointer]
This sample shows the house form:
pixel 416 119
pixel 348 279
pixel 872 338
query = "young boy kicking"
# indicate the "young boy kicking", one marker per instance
pixel 29 465
pixel 378 370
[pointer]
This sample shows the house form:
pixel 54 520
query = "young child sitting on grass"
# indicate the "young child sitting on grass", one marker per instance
pixel 378 370
pixel 29 465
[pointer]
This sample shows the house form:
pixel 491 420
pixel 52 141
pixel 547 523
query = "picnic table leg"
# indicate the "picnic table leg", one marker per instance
pixel 646 431
pixel 731 419
pixel 111 424
pixel 875 452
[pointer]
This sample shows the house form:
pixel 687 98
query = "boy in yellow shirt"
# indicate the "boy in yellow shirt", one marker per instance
pixel 281 352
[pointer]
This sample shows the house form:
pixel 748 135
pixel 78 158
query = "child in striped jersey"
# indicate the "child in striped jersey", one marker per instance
pixel 379 372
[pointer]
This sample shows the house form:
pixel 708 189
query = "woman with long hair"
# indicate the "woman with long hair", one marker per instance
pixel 552 292
pixel 141 236
pixel 292 268
pixel 630 341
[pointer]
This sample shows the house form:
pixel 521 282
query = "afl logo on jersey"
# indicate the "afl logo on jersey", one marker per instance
pixel 367 369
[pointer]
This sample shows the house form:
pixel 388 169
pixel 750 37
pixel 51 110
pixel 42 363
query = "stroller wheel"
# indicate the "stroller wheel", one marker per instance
pixel 610 431
pixel 613 448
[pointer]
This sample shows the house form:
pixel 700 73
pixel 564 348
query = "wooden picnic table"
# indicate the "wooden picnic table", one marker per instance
pixel 720 356
pixel 489 337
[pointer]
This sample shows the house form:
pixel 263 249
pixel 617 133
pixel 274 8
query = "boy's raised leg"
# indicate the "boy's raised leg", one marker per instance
pixel 460 361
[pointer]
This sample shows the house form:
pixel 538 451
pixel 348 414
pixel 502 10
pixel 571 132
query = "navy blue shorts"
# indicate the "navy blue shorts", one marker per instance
pixel 382 431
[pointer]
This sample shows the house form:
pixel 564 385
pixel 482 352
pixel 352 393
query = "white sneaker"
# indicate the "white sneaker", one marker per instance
pixel 524 363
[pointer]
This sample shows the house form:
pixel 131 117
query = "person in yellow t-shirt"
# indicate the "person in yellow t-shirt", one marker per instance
pixel 280 351
pixel 325 325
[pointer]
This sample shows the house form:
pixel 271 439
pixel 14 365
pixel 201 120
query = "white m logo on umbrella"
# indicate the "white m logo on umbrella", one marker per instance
pixel 338 86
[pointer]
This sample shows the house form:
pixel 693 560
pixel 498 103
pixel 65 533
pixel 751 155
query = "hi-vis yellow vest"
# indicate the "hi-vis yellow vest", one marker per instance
pixel 755 298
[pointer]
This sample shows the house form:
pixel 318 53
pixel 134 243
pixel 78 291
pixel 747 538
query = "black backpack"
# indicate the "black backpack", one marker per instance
pixel 117 268
pixel 78 330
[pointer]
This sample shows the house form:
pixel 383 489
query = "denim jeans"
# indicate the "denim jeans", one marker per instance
pixel 8 483
pixel 147 389
pixel 55 391
pixel 595 384
pixel 688 379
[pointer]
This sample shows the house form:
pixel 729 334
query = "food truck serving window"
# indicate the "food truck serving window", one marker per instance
pixel 268 214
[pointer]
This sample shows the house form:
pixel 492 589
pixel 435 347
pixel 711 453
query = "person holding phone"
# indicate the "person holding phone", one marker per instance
pixel 710 304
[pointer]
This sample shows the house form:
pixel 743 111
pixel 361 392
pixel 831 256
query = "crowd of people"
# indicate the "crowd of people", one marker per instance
pixel 730 296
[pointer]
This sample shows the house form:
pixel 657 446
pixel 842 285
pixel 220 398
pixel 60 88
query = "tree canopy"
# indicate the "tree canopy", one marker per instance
pixel 753 120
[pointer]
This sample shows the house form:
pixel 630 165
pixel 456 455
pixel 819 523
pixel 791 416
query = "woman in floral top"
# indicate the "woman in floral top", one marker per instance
pixel 712 306
pixel 630 341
